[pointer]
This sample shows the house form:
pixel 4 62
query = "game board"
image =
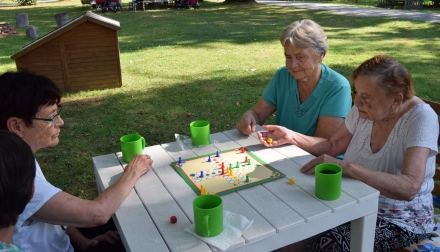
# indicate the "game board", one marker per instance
pixel 241 169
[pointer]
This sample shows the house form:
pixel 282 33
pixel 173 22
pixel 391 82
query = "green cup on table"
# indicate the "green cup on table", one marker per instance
pixel 208 215
pixel 131 145
pixel 200 133
pixel 328 179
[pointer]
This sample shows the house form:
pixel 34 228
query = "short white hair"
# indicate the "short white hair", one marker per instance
pixel 306 33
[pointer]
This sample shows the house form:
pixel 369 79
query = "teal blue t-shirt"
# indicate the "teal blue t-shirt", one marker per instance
pixel 6 247
pixel 331 97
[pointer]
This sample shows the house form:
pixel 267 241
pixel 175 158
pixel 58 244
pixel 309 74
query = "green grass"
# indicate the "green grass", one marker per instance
pixel 212 63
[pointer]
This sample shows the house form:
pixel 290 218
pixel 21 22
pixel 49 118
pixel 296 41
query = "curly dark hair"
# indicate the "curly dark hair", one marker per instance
pixel 17 174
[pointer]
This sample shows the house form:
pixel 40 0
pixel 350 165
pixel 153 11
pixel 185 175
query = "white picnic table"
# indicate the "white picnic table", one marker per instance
pixel 283 213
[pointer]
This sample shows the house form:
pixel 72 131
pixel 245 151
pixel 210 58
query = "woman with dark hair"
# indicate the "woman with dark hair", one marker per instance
pixel 390 143
pixel 17 173
pixel 30 107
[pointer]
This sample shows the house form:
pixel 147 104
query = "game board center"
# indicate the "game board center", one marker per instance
pixel 225 171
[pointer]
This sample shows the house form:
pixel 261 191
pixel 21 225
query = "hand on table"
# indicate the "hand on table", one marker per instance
pixel 140 163
pixel 309 168
pixel 110 237
pixel 279 135
pixel 247 124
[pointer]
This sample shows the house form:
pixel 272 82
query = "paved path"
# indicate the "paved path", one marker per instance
pixel 359 11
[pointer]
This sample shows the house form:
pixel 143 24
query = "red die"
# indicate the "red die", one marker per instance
pixel 173 219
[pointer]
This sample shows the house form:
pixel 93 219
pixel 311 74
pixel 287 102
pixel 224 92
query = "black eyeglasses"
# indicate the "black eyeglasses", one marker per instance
pixel 52 120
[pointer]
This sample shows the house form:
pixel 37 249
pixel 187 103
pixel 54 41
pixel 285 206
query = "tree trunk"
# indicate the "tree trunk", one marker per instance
pixel 21 20
pixel 31 32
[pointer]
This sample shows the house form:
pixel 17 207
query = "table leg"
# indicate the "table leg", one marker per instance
pixel 362 233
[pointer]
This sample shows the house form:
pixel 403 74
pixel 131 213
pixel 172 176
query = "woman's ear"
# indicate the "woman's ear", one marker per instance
pixel 398 99
pixel 15 125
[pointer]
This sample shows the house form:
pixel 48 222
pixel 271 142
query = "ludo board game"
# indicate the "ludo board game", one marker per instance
pixel 225 171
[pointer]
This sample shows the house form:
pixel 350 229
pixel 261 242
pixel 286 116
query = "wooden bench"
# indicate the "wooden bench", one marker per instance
pixel 407 4
pixel 436 107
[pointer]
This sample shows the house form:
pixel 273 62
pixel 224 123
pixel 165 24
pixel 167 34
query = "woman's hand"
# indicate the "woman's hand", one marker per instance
pixel 279 135
pixel 110 237
pixel 140 163
pixel 247 123
pixel 309 168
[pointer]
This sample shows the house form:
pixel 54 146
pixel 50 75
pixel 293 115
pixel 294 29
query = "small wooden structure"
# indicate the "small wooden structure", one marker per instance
pixel 80 55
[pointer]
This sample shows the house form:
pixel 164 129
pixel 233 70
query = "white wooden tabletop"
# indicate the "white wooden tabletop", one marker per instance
pixel 282 213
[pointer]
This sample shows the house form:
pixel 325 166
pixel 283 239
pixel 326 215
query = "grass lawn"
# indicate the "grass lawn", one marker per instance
pixel 212 63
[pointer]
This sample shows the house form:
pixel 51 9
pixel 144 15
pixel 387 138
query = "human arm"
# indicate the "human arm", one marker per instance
pixel 256 115
pixel 68 210
pixel 336 144
pixel 402 186
pixel 327 125
pixel 85 243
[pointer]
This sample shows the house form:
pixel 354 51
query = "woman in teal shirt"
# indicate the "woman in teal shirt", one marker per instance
pixel 308 96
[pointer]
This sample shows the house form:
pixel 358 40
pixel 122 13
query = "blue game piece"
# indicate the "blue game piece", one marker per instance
pixel 209 158
pixel 180 160
pixel 201 174
pixel 217 154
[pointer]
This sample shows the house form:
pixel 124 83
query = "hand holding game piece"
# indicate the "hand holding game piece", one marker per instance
pixel 173 219
pixel 278 134
pixel 269 140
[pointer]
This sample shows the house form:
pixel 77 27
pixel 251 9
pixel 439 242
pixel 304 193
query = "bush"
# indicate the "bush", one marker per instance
pixel 26 2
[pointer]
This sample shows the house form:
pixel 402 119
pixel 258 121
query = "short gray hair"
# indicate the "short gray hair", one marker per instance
pixel 305 33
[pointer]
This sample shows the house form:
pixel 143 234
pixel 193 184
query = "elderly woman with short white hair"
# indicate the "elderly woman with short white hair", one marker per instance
pixel 308 96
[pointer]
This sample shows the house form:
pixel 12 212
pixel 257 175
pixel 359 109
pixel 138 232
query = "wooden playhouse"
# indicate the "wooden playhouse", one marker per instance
pixel 81 55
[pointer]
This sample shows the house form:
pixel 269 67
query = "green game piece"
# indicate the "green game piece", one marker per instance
pixel 230 166
pixel 247 179
pixel 237 165
pixel 249 161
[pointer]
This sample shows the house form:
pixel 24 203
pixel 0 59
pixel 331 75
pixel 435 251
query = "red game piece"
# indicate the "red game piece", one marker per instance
pixel 242 150
pixel 223 165
pixel 173 219
pixel 246 159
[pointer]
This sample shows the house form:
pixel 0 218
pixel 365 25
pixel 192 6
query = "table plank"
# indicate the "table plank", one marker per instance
pixel 161 205
pixel 137 230
pixel 356 189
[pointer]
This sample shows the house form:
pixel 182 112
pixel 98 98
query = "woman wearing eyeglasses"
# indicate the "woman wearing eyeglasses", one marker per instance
pixel 29 107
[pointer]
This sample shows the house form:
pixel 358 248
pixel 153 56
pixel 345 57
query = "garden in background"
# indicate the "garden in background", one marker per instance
pixel 211 63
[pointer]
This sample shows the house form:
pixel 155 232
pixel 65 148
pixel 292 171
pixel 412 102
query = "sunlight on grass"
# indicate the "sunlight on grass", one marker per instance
pixel 212 63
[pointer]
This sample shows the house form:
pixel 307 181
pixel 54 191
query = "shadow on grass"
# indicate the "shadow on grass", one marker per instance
pixel 94 122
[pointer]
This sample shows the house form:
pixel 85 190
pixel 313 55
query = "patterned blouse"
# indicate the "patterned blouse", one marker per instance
pixel 417 127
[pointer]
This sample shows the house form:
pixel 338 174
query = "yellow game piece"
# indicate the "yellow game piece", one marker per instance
pixel 230 172
pixel 291 181
pixel 269 140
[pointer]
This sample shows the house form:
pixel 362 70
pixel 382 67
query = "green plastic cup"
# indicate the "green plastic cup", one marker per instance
pixel 208 215
pixel 200 133
pixel 130 145
pixel 328 178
